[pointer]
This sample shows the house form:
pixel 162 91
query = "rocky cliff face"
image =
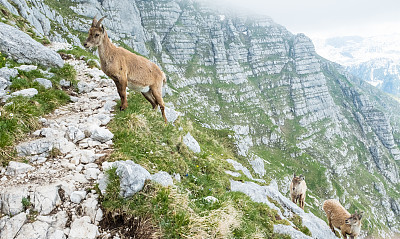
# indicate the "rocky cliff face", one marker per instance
pixel 280 100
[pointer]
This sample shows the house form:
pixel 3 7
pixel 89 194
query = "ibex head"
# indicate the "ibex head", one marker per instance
pixel 96 33
pixel 354 219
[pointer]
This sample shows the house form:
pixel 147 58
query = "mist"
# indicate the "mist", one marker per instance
pixel 325 18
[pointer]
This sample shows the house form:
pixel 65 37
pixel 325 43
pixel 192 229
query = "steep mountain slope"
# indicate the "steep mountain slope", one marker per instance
pixel 288 109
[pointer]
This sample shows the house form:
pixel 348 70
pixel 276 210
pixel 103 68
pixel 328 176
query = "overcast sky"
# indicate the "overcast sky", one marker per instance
pixel 329 17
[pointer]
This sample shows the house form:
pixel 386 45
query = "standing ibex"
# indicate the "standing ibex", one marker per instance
pixel 298 190
pixel 127 69
pixel 339 217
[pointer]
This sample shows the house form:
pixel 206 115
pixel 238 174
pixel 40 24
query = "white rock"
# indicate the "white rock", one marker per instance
pixel 77 196
pixel 65 83
pixel 132 177
pixel 9 227
pixel 11 200
pixel 15 168
pixel 191 143
pixel 55 234
pixel 101 134
pixel 211 199
pixel 289 230
pixel 26 67
pixel 92 173
pixel 90 207
pixel 74 134
pixel 162 178
pixel 46 198
pixel 44 82
pixel 31 92
pixel 81 228
pixel 37 229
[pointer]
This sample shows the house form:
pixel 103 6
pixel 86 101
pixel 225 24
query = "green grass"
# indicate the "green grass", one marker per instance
pixel 21 116
pixel 140 135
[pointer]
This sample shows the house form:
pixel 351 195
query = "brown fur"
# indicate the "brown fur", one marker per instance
pixel 127 69
pixel 339 217
pixel 298 190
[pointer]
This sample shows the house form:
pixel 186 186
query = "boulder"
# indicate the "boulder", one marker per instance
pixel 77 196
pixel 9 227
pixel 162 178
pixel 22 48
pixel 11 200
pixel 31 92
pixel 37 229
pixel 132 177
pixel 15 168
pixel 81 228
pixel 44 82
pixel 101 134
pixel 45 199
pixel 191 143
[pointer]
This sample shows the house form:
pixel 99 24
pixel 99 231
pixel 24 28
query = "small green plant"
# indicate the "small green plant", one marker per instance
pixel 26 203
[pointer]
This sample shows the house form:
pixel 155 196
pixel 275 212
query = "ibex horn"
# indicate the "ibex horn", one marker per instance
pixel 99 22
pixel 94 22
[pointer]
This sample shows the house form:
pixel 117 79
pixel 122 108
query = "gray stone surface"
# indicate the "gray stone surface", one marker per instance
pixel 45 199
pixel 44 82
pixel 22 48
pixel 81 228
pixel 132 177
pixel 37 229
pixel 101 134
pixel 11 200
pixel 162 178
pixel 191 143
pixel 257 193
pixel 9 227
pixel 289 230
pixel 77 196
pixel 15 168
pixel 31 92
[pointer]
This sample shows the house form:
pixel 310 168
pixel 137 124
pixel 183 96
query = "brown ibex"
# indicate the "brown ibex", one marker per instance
pixel 127 69
pixel 298 190
pixel 339 217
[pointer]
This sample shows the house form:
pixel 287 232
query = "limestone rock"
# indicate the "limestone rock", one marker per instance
pixel 132 177
pixel 77 196
pixel 36 229
pixel 31 92
pixel 9 227
pixel 45 199
pixel 101 134
pixel 191 143
pixel 15 168
pixel 162 178
pixel 22 48
pixel 81 228
pixel 11 200
pixel 44 82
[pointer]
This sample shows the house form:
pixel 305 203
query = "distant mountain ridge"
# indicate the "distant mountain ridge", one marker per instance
pixel 373 59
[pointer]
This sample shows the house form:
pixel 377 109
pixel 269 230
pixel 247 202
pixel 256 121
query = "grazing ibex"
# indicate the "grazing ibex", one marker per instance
pixel 339 217
pixel 298 190
pixel 127 69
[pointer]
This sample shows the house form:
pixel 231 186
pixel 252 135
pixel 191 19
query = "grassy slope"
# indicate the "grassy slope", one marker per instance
pixel 181 211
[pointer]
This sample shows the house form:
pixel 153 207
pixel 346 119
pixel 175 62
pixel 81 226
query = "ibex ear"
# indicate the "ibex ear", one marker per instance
pixel 302 177
pixel 360 215
pixel 102 28
pixel 294 175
